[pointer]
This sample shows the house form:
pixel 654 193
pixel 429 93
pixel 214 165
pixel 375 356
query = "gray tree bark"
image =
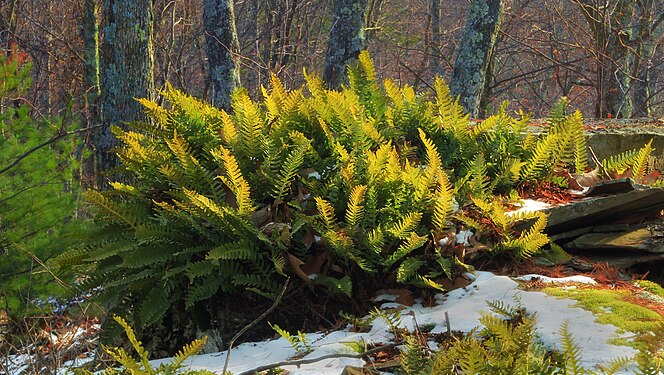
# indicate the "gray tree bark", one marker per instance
pixel 346 42
pixel 222 48
pixel 472 61
pixel 127 65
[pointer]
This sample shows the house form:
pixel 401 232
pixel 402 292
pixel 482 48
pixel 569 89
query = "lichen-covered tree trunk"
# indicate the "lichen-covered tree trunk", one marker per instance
pixel 126 72
pixel 222 48
pixel 472 61
pixel 346 40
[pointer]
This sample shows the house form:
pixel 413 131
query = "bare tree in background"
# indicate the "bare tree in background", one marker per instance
pixel 346 40
pixel 222 49
pixel 473 60
pixel 126 70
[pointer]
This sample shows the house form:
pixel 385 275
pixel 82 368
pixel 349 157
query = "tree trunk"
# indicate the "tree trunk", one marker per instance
pixel 346 40
pixel 90 36
pixel 472 61
pixel 127 64
pixel 434 58
pixel 222 47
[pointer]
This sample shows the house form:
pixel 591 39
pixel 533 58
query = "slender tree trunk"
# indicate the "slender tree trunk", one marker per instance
pixel 434 57
pixel 127 64
pixel 42 75
pixel 472 61
pixel 90 36
pixel 222 49
pixel 346 40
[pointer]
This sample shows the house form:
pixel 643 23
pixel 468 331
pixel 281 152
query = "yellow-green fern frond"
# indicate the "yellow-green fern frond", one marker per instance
pixel 450 114
pixel 288 172
pixel 156 112
pixel 641 160
pixel 355 206
pixel 432 159
pixel 229 130
pixel 235 181
pixel 394 93
pixel 137 345
pixel 443 204
pixel 326 212
pixel 405 226
pixel 187 351
pixel 579 141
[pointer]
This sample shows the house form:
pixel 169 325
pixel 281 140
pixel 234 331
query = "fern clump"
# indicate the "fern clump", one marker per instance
pixel 328 186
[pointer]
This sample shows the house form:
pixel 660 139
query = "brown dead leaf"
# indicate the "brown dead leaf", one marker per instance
pixel 296 264
pixel 580 181
pixel 315 264
pixel 404 296
pixel 456 283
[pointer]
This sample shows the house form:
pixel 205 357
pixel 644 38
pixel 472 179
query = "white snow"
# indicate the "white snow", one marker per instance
pixel 558 280
pixel 529 205
pixel 463 306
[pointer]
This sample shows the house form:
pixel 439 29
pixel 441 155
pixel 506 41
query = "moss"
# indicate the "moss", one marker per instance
pixel 651 287
pixel 612 307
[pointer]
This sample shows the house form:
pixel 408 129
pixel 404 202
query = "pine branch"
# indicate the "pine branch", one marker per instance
pixel 52 140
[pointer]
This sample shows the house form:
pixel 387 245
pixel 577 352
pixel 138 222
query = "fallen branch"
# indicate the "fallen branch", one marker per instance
pixel 300 362
pixel 246 328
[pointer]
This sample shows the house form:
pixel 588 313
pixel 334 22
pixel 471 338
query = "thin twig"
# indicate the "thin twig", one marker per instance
pixel 246 328
pixel 321 358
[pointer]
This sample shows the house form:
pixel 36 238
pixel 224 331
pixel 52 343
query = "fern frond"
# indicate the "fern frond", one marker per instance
pixel 288 171
pixel 355 206
pixel 403 228
pixel 326 212
pixel 187 351
pixel 579 142
pixel 413 242
pixel 407 270
pixel 641 160
pixel 571 351
pixel 154 306
pixel 235 181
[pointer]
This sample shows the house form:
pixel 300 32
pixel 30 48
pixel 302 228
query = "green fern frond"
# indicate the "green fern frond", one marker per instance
pixel 289 171
pixel 407 270
pixel 154 306
pixel 413 242
pixel 571 352
pixel 202 291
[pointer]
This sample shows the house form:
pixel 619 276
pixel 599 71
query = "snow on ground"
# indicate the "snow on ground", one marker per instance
pixel 463 307
pixel 529 205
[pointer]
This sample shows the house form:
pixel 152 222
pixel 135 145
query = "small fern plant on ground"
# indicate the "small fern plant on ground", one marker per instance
pixel 141 366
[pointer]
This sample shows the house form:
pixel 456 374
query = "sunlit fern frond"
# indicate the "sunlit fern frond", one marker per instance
pixel 355 208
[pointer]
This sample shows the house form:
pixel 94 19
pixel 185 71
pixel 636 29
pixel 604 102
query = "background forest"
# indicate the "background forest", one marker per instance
pixel 84 79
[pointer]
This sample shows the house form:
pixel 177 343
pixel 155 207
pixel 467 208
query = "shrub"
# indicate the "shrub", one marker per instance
pixel 37 194
pixel 330 186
